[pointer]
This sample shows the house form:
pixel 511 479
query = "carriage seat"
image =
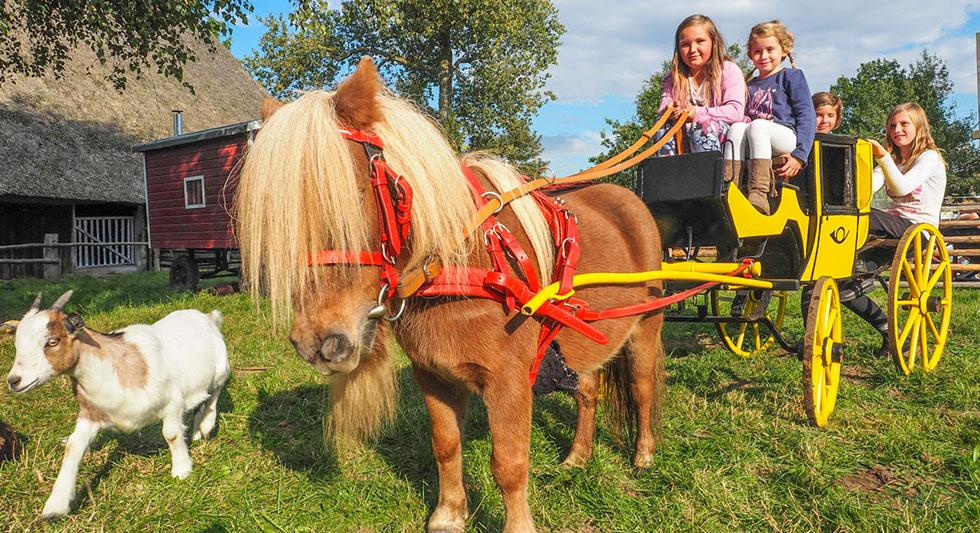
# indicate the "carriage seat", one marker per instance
pixel 686 194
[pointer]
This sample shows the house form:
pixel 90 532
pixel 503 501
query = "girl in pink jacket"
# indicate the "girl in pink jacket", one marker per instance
pixel 705 82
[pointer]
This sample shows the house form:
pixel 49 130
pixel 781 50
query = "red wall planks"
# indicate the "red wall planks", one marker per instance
pixel 172 225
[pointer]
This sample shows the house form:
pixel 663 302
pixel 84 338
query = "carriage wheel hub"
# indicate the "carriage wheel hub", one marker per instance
pixel 924 303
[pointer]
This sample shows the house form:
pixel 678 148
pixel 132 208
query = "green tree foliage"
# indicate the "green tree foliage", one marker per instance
pixel 37 36
pixel 624 133
pixel 479 66
pixel 881 84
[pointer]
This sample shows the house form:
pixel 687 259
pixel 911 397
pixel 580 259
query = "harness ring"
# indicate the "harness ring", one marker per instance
pixel 499 198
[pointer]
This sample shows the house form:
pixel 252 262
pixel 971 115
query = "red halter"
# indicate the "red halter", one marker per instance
pixel 393 196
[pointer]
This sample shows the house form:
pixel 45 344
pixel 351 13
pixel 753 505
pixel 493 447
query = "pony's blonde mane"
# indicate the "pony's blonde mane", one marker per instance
pixel 299 192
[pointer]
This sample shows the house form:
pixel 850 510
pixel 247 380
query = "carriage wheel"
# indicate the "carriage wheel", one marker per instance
pixel 919 313
pixel 747 339
pixel 184 274
pixel 823 352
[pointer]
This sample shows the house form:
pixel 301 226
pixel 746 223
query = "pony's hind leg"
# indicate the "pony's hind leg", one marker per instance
pixel 581 450
pixel 645 356
pixel 447 409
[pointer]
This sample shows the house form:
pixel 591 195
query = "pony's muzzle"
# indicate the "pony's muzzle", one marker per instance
pixel 336 348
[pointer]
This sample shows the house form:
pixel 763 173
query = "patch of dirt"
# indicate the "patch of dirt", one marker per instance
pixel 874 479
pixel 856 372
pixel 9 445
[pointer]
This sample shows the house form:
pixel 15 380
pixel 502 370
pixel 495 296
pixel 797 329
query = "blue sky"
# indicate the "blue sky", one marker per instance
pixel 610 48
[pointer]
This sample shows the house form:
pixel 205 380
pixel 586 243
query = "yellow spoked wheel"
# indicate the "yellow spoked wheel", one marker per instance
pixel 919 312
pixel 747 339
pixel 823 352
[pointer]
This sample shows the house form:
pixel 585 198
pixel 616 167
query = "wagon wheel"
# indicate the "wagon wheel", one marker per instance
pixel 823 352
pixel 184 274
pixel 747 339
pixel 919 313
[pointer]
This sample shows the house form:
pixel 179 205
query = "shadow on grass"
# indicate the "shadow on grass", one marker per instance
pixel 289 424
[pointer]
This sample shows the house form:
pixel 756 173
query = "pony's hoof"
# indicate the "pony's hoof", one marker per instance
pixel 574 461
pixel 446 522
pixel 643 461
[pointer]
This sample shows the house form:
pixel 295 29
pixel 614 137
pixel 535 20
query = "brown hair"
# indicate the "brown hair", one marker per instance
pixel 773 28
pixel 823 98
pixel 923 135
pixel 679 71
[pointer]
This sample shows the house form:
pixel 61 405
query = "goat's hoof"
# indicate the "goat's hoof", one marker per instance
pixel 53 512
pixel 196 437
pixel 180 472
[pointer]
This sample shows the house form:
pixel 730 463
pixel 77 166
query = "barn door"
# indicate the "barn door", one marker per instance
pixel 102 232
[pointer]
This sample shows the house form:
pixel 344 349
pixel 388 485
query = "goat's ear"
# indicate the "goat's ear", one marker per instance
pixel 73 323
pixel 269 106
pixel 356 101
pixel 36 306
pixel 59 304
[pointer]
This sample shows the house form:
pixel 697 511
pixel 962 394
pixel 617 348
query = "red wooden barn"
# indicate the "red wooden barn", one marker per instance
pixel 189 198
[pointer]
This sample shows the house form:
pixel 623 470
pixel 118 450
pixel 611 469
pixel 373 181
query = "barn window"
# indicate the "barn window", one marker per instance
pixel 194 192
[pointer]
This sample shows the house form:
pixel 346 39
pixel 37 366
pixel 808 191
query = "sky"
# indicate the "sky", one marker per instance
pixel 610 48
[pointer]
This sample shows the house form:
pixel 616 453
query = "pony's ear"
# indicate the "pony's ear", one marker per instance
pixel 356 101
pixel 269 106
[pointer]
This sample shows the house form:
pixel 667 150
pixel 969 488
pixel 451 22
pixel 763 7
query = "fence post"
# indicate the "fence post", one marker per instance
pixel 52 270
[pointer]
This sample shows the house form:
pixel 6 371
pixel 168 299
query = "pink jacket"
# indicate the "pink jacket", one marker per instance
pixel 729 106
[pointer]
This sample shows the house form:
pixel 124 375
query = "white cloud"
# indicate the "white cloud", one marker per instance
pixel 610 48
pixel 567 153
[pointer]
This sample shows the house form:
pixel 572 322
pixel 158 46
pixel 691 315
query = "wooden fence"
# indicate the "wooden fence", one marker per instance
pixel 55 255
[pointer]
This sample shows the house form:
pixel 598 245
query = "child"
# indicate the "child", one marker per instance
pixel 705 82
pixel 779 114
pixel 914 175
pixel 829 110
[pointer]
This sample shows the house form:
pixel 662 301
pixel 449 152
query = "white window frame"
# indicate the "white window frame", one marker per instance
pixel 203 194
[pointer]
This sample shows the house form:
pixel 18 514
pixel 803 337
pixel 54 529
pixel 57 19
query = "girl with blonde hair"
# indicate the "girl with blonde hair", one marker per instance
pixel 779 114
pixel 704 82
pixel 913 172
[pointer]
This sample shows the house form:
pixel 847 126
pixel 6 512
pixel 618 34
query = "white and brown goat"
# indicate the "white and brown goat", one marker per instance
pixel 126 379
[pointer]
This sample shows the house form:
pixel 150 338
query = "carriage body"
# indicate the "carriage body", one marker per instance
pixel 818 224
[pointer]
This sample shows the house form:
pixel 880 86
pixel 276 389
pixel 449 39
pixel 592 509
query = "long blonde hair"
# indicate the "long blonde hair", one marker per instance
pixel 298 193
pixel 773 28
pixel 679 71
pixel 923 135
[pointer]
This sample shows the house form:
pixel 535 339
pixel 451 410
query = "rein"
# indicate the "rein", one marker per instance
pixel 511 280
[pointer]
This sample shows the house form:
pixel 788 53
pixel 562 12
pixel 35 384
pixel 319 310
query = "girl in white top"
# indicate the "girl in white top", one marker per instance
pixel 910 167
pixel 914 175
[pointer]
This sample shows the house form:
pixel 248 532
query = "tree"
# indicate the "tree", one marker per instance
pixel 880 85
pixel 624 133
pixel 479 66
pixel 37 36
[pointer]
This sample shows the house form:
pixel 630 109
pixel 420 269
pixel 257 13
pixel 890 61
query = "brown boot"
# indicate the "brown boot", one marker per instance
pixel 732 171
pixel 760 180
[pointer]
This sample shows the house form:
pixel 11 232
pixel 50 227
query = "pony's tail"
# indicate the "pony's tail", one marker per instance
pixel 620 406
pixel 362 403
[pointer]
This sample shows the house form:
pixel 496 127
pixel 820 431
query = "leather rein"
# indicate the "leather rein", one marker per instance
pixel 511 280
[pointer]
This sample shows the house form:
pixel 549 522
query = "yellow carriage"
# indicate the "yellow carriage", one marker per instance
pixel 812 240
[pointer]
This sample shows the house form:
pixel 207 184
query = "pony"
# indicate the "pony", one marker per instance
pixel 304 187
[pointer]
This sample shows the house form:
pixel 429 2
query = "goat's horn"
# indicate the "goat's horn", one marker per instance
pixel 37 303
pixel 59 304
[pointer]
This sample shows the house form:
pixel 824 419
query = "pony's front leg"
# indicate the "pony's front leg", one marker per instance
pixel 509 413
pixel 447 409
pixel 585 399
pixel 64 487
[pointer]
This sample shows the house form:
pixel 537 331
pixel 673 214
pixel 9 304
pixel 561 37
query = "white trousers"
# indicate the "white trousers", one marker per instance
pixel 759 139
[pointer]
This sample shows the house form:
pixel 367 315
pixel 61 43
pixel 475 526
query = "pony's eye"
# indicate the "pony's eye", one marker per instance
pixel 53 341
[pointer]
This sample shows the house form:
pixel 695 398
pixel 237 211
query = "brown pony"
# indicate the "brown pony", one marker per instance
pixel 305 188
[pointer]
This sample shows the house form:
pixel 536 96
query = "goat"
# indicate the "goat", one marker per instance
pixel 125 380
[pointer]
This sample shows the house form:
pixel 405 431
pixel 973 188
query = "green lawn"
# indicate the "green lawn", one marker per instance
pixel 899 453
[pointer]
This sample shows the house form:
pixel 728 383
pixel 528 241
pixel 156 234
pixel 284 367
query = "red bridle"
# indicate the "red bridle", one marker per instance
pixel 393 196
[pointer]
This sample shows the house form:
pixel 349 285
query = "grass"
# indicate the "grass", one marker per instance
pixel 899 453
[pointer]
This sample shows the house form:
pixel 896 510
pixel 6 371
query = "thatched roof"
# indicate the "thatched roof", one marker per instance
pixel 71 138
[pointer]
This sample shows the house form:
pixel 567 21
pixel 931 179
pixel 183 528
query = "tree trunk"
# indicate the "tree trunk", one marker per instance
pixel 445 77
